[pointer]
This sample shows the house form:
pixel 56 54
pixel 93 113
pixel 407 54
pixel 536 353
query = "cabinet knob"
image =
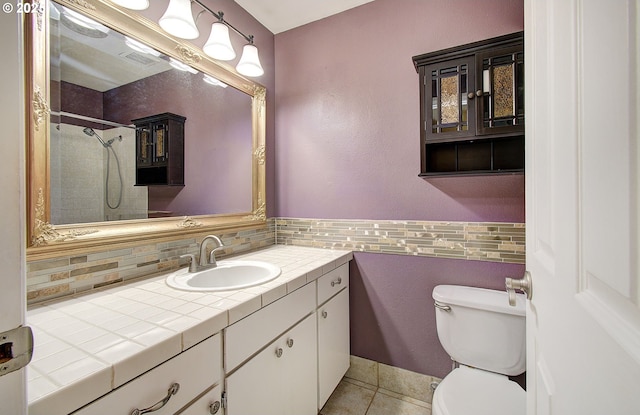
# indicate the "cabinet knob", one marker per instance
pixel 214 408
pixel 337 281
pixel 479 93
pixel 324 314
pixel 471 95
pixel 279 352
pixel 290 343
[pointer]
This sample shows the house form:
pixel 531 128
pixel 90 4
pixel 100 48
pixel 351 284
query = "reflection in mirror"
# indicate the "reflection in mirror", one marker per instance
pixel 101 80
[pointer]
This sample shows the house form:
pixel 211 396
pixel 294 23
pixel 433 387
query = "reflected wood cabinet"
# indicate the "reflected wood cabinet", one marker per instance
pixel 472 108
pixel 160 150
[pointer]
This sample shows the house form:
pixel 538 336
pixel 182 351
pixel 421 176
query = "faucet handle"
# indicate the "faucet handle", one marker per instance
pixel 192 261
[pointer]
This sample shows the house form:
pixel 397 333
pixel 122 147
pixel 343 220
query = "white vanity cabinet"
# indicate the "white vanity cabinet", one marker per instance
pixel 281 379
pixel 194 370
pixel 333 331
pixel 288 357
pixel 270 358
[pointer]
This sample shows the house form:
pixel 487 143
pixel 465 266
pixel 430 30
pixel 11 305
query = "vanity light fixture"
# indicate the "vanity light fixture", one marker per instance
pixel 218 45
pixel 178 21
pixel 181 66
pixel 133 4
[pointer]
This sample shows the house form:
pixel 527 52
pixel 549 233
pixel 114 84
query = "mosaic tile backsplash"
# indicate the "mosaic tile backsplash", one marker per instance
pixel 67 275
pixel 497 242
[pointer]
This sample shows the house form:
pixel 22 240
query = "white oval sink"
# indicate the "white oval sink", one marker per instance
pixel 228 275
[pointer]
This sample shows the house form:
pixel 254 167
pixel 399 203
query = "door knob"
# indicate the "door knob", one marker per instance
pixel 523 284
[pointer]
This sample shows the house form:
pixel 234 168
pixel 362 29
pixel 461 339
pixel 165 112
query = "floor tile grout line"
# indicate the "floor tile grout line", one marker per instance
pixel 373 397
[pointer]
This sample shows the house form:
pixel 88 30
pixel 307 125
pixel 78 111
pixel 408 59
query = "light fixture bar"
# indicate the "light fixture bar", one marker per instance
pixel 220 17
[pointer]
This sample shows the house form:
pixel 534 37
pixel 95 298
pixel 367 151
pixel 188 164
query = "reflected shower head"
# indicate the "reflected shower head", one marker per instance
pixel 91 133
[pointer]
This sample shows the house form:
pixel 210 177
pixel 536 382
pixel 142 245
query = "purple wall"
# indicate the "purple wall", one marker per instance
pixel 347 146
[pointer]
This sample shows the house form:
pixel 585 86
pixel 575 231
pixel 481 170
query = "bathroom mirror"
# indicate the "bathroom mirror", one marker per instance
pixel 71 191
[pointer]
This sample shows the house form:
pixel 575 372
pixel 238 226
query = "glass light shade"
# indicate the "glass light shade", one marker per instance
pixel 132 4
pixel 219 45
pixel 249 64
pixel 178 20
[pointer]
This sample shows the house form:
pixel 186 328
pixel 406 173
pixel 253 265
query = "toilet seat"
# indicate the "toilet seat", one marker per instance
pixel 468 391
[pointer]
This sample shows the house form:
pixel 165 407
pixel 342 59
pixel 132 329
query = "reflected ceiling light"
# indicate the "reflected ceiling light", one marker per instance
pixel 213 81
pixel 84 21
pixel 178 20
pixel 249 64
pixel 181 66
pixel 132 4
pixel 140 47
pixel 219 45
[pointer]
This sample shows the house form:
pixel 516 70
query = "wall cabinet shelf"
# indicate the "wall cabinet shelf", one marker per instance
pixel 472 108
pixel 160 150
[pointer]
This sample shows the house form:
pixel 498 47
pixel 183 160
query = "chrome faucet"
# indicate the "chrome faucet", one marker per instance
pixel 204 262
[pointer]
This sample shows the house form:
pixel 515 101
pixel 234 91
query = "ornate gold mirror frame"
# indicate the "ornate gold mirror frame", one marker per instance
pixel 45 239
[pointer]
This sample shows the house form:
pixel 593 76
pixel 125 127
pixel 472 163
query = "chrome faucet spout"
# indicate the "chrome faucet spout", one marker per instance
pixel 211 261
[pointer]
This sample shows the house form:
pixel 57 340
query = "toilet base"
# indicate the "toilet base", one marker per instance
pixel 469 391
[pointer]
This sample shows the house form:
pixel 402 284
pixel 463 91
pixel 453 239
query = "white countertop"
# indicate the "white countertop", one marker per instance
pixel 87 345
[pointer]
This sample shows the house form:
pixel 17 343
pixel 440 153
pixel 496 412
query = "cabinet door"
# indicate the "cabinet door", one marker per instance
pixel 448 103
pixel 300 381
pixel 501 84
pixel 333 344
pixel 281 379
pixel 254 389
pixel 144 145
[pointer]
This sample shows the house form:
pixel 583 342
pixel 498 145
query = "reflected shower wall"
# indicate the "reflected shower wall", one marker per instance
pixel 79 175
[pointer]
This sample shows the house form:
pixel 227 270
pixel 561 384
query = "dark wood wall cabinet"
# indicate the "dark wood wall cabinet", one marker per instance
pixel 160 150
pixel 472 108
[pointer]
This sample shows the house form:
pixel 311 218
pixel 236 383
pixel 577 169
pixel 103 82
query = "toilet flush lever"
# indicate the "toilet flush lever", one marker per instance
pixel 523 284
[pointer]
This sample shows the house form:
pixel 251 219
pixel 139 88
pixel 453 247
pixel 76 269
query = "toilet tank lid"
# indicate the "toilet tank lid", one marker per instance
pixel 480 298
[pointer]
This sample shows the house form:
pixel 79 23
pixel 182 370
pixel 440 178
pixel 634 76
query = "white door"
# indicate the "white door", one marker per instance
pixel 583 201
pixel 12 207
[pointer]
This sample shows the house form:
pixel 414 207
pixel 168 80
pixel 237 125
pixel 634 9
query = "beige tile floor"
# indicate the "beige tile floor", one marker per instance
pixel 353 397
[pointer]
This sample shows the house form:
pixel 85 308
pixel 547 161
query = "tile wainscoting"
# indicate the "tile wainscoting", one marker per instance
pixel 68 275
pixel 483 241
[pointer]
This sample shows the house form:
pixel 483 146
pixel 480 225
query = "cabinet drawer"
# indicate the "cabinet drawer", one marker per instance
pixel 194 370
pixel 332 282
pixel 250 334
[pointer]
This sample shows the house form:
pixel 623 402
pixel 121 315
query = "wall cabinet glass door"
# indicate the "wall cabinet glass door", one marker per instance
pixel 450 98
pixel 502 93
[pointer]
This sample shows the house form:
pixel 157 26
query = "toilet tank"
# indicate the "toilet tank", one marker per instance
pixel 481 329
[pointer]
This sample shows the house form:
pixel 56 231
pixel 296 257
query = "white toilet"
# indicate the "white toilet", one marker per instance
pixel 486 337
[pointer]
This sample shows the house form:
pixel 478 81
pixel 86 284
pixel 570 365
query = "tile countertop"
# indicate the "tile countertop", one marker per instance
pixel 87 345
